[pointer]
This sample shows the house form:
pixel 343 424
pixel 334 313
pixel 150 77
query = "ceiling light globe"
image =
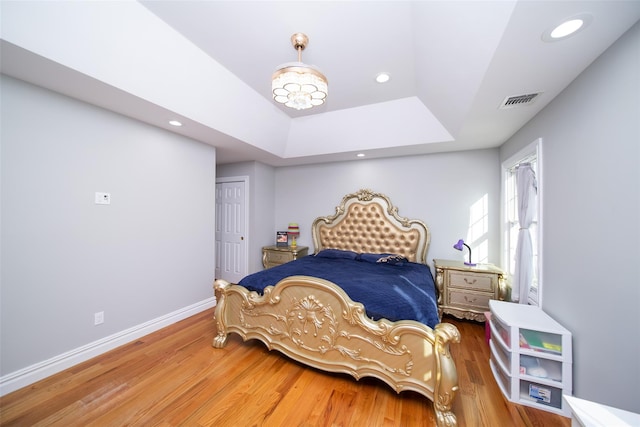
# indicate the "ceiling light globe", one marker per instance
pixel 299 86
pixel 299 101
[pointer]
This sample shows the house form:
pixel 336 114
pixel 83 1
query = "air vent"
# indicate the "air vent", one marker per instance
pixel 519 100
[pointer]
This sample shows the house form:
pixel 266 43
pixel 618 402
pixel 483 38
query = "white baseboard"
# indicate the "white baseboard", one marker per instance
pixel 41 370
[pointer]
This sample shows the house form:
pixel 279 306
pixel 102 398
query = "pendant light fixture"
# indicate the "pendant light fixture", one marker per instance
pixel 298 85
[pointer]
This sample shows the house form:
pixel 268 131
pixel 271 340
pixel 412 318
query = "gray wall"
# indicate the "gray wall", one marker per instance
pixel 64 258
pixel 591 216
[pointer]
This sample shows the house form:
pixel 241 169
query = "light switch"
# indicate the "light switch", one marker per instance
pixel 103 198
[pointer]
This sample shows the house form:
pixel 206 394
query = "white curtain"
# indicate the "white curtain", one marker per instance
pixel 527 188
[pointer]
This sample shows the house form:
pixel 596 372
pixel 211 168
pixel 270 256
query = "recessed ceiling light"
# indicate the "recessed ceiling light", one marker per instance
pixel 360 155
pixel 175 123
pixel 383 77
pixel 567 27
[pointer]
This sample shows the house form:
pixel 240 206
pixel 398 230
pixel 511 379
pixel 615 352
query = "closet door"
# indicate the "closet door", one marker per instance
pixel 231 242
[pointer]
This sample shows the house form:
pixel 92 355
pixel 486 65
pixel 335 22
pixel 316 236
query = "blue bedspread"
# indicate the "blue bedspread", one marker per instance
pixel 398 291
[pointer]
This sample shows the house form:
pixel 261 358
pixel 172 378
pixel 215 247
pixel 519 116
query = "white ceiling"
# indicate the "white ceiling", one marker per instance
pixel 209 64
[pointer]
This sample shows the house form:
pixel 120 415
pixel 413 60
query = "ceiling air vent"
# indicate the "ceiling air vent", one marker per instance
pixel 516 101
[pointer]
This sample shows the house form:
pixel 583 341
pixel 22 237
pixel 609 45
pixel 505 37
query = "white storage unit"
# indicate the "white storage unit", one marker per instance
pixel 530 356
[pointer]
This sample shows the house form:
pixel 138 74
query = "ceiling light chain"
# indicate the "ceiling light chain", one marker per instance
pixel 298 85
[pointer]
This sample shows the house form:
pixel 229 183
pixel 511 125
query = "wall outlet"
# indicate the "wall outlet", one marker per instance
pixel 98 318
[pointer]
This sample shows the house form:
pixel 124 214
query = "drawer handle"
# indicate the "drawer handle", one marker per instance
pixel 467 299
pixel 470 282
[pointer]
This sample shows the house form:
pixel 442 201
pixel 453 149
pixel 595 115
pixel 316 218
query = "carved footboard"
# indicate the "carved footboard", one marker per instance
pixel 314 322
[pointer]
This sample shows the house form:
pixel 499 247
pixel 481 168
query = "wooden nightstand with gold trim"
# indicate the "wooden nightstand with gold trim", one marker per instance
pixel 464 291
pixel 276 255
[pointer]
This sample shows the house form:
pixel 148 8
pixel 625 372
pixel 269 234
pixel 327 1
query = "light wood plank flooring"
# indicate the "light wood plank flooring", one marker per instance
pixel 174 377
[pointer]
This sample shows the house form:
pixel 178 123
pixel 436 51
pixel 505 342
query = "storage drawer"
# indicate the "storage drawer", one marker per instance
pixel 474 300
pixel 277 255
pixel 540 367
pixel 274 257
pixel 500 330
pixel 533 392
pixel 502 357
pixel 480 282
pixel 503 381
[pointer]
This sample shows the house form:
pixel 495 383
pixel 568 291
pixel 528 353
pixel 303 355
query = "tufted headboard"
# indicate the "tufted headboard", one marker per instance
pixel 367 222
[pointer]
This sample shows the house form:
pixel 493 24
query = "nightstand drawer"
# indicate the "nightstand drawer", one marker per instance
pixel 472 300
pixel 480 282
pixel 278 257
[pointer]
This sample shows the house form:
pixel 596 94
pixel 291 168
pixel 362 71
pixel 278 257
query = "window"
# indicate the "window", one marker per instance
pixel 477 236
pixel 511 227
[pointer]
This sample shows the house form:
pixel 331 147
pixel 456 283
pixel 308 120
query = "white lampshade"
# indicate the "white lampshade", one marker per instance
pixel 299 86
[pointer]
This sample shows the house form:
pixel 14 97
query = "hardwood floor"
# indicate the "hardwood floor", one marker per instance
pixel 174 377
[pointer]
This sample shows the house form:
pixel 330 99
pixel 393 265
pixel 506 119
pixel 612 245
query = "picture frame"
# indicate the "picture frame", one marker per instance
pixel 282 238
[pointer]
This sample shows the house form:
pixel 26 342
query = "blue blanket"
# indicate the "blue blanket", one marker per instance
pixel 388 286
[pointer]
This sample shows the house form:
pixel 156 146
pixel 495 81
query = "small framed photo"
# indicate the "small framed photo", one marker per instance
pixel 282 238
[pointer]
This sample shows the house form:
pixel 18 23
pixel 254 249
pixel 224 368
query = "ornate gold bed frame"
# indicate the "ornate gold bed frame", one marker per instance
pixel 313 321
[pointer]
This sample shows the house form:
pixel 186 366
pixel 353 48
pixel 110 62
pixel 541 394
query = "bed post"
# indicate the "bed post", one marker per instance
pixel 219 287
pixel 446 384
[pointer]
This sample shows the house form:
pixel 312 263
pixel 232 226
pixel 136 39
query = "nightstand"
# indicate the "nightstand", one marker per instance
pixel 276 255
pixel 464 291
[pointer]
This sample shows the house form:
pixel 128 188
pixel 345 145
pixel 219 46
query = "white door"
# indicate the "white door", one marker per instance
pixel 231 242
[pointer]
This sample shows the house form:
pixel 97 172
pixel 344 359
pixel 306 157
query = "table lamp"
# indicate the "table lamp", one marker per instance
pixel 459 246
pixel 293 232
